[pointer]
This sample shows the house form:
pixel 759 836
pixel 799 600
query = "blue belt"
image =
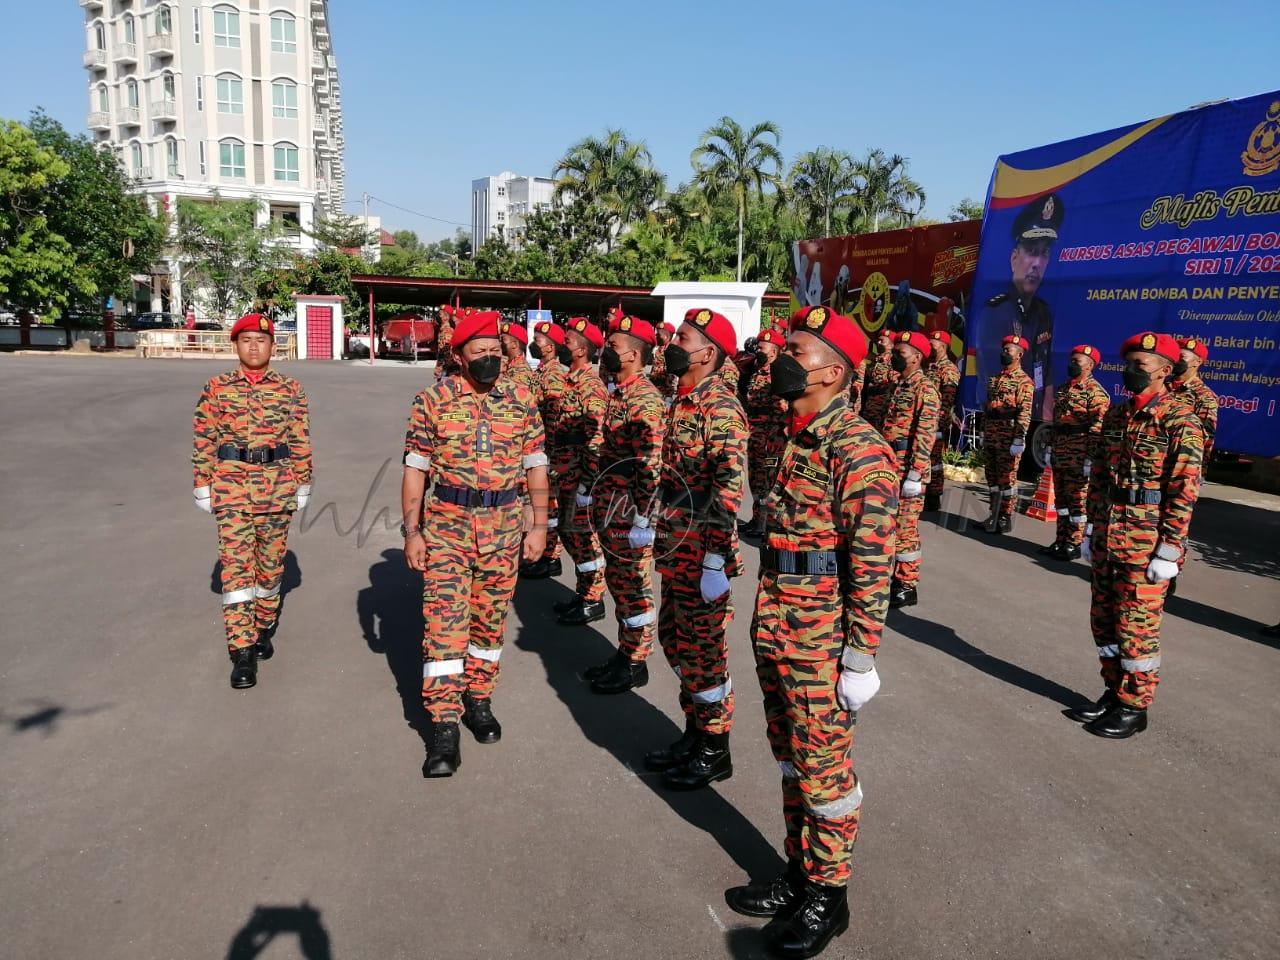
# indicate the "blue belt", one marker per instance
pixel 469 497
pixel 229 451
pixel 815 563
pixel 1135 496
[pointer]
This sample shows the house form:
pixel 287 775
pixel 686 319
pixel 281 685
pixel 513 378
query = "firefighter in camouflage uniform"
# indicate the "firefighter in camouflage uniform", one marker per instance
pixel 620 483
pixel 1078 408
pixel 515 344
pixel 1006 420
pixel 663 380
pixel 577 440
pixel 446 362
pixel 1142 490
pixel 704 460
pixel 820 608
pixel 879 379
pixel 946 379
pixel 251 456
pixel 473 443
pixel 766 419
pixel 549 386
pixel 1203 400
pixel 910 428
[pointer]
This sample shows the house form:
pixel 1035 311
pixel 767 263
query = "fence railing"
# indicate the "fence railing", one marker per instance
pixel 203 343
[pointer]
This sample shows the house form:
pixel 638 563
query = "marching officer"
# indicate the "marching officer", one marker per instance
pixel 515 343
pixel 879 379
pixel 549 386
pixel 1142 490
pixel 766 420
pixel 251 455
pixel 472 441
pixel 446 362
pixel 703 461
pixel 820 608
pixel 663 380
pixel 620 484
pixel 581 415
pixel 1078 408
pixel 910 427
pixel 946 379
pixel 1006 420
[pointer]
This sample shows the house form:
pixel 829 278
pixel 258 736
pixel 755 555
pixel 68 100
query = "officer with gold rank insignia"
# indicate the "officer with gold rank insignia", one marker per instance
pixel 515 342
pixel 550 381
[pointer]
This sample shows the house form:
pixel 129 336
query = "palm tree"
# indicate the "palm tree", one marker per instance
pixel 614 173
pixel 820 182
pixel 731 160
pixel 885 189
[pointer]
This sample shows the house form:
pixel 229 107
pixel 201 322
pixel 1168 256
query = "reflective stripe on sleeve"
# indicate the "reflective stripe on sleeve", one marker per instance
pixel 1108 650
pixel 535 460
pixel 237 596
pixel 857 661
pixel 442 668
pixel 591 566
pixel 553 523
pixel 484 653
pixel 910 555
pixel 837 809
pixel 265 593
pixel 640 619
pixel 1063 512
pixel 1145 665
pixel 937 468
pixel 417 461
pixel 1079 519
pixel 304 490
pixel 201 493
pixel 715 694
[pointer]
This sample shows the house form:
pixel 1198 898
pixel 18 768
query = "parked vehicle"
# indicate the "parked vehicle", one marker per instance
pixel 408 337
pixel 154 321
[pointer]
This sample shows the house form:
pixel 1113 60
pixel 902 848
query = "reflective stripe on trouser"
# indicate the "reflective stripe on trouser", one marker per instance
pixel 936 479
pixel 627 574
pixel 1125 616
pixel 553 526
pixel 1001 466
pixel 251 554
pixel 907 568
pixel 464 609
pixel 797 641
pixel 582 544
pixel 692 633
pixel 1071 491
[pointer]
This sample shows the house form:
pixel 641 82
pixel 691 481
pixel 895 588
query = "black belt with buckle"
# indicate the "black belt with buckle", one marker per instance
pixel 1136 496
pixel 814 563
pixel 623 468
pixel 567 438
pixel 685 499
pixel 470 497
pixel 901 445
pixel 229 451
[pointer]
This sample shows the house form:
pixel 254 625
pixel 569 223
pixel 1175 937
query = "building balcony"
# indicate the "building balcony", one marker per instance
pixel 142 173
pixel 319 123
pixel 99 120
pixel 164 110
pixel 161 44
pixel 95 59
pixel 91 4
pixel 130 117
pixel 126 53
pixel 319 61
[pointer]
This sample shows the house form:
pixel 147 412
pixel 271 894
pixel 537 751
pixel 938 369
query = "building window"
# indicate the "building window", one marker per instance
pixel 130 32
pixel 286 162
pixel 284 33
pixel 284 100
pixel 99 37
pixel 231 159
pixel 169 86
pixel 135 151
pixel 195 23
pixel 171 157
pixel 200 94
pixel 164 21
pixel 502 191
pixel 204 166
pixel 131 93
pixel 226 27
pixel 104 101
pixel 230 95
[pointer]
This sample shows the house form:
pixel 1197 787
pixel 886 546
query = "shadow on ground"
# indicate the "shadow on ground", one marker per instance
pixel 291 581
pixel 390 615
pixel 1236 536
pixel 267 924
pixel 45 716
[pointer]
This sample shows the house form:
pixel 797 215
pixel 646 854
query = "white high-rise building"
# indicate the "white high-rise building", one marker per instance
pixel 235 96
pixel 499 205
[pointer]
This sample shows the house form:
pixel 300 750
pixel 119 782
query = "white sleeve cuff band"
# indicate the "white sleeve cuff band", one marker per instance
pixel 417 461
pixel 535 460
pixel 304 490
pixel 1168 552
pixel 712 561
pixel 201 493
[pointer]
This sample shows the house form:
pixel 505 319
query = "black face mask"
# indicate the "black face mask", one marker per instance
pixel 1007 360
pixel 1074 369
pixel 677 358
pixel 535 351
pixel 1136 380
pixel 564 355
pixel 788 380
pixel 760 359
pixel 610 360
pixel 485 369
pixel 1179 369
pixel 899 363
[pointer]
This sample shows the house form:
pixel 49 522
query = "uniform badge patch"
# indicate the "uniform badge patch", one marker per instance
pixel 1148 342
pixel 816 317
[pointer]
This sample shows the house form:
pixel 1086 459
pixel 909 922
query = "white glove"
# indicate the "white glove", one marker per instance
pixel 714 583
pixel 912 487
pixel 304 496
pixel 1087 467
pixel 1048 456
pixel 582 498
pixel 1017 447
pixel 1164 565
pixel 853 690
pixel 641 534
pixel 204 499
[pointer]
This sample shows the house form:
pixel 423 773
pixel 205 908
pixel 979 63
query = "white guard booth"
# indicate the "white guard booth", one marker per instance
pixel 320 325
pixel 738 302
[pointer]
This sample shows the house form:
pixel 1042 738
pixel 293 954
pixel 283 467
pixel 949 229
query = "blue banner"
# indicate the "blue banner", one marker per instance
pixel 1171 225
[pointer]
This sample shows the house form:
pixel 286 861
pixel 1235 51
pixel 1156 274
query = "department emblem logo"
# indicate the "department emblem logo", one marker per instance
pixel 504 327
pixel 1149 342
pixel 1047 212
pixel 703 318
pixel 904 337
pixel 816 318
pixel 624 324
pixel 1262 150
pixel 263 324
pixel 1191 344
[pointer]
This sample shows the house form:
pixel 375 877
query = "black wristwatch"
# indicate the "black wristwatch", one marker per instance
pixel 405 531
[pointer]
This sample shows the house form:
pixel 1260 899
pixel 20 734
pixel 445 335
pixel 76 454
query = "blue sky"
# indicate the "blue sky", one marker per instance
pixel 438 93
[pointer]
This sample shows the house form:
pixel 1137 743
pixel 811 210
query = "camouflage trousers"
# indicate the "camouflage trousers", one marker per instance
pixel 797 640
pixel 465 596
pixel 907 561
pixel 582 544
pixel 629 578
pixel 693 636
pixel 1070 492
pixel 552 552
pixel 936 480
pixel 763 451
pixel 251 548
pixel 1001 466
pixel 1125 616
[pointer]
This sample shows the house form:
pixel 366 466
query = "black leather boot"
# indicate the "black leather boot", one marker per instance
pixel 1118 723
pixel 1173 588
pixel 709 762
pixel 554 567
pixel 1091 711
pixel 604 666
pixel 992 525
pixel 479 718
pixel 1069 551
pixel 623 674
pixel 1006 523
pixel 1050 550
pixel 564 606
pixel 244 668
pixel 902 595
pixel 932 501
pixel 821 915
pixel 536 570
pixel 444 753
pixel 583 613
pixel 768 898
pixel 664 758
pixel 264 647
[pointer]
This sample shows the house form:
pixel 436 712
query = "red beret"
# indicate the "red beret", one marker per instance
pixel 1018 340
pixel 669 327
pixel 772 336
pixel 589 330
pixel 941 336
pixel 1195 345
pixel 551 331
pixel 1161 344
pixel 838 332
pixel 476 323
pixel 256 323
pixel 634 327
pixel 914 338
pixel 446 310
pixel 1091 352
pixel 517 330
pixel 715 327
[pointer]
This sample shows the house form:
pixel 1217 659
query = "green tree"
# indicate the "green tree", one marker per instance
pixel 615 174
pixel 821 182
pixel 495 260
pixel 738 162
pixel 342 232
pixel 966 209
pixel 886 191
pixel 224 252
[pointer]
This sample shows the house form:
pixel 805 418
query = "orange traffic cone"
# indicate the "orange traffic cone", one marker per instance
pixel 1042 506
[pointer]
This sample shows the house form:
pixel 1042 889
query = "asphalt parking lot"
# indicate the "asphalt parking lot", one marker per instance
pixel 149 811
